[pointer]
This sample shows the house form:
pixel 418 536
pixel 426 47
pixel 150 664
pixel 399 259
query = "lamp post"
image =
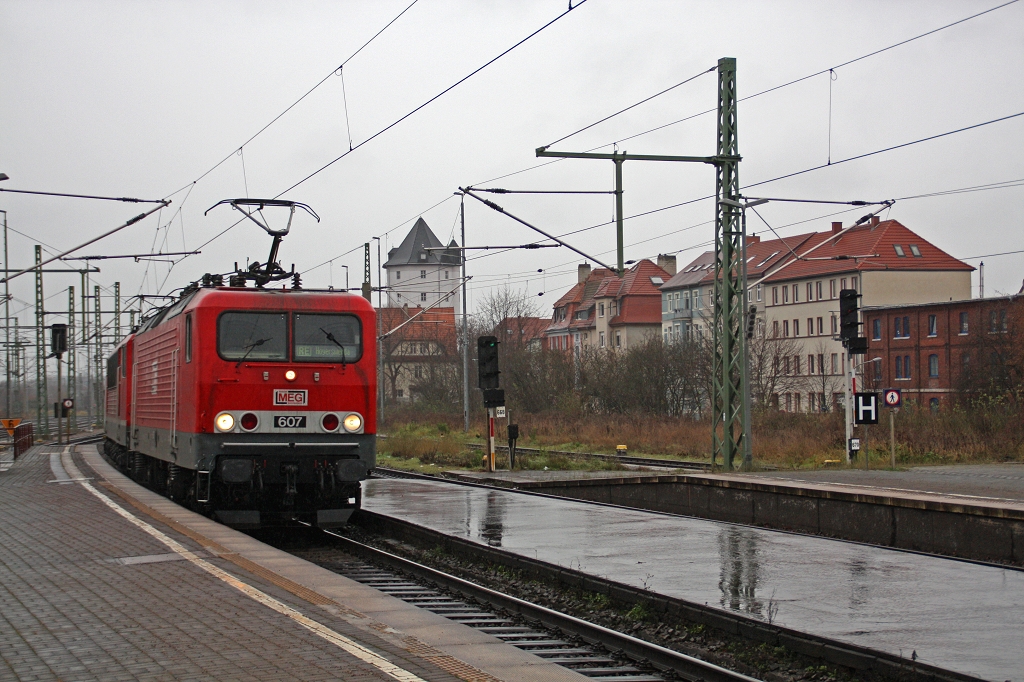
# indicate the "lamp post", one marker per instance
pixel 465 319
pixel 7 316
pixel 380 344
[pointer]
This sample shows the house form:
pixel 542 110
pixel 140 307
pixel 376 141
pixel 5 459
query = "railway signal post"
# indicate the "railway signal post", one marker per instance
pixel 494 397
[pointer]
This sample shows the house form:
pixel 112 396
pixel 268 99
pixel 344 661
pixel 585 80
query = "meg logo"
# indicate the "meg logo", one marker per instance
pixel 290 396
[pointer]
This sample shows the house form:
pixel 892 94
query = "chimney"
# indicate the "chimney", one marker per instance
pixel 875 220
pixel 753 239
pixel 837 227
pixel 584 272
pixel 667 263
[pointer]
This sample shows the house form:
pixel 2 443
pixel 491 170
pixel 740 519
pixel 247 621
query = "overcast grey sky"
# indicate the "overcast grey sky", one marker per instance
pixel 141 99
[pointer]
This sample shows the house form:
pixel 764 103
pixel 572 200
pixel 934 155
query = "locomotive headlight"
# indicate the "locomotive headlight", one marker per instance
pixel 224 421
pixel 353 422
pixel 290 375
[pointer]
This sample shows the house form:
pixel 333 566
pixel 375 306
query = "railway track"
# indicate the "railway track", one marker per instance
pixel 621 459
pixel 586 648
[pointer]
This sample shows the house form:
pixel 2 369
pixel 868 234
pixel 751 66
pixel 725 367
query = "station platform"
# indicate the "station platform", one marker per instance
pixel 956 615
pixel 101 579
pixel 973 512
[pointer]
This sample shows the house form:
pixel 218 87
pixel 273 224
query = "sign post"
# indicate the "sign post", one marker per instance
pixel 893 400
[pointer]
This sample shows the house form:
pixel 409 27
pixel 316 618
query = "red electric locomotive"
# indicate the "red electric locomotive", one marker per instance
pixel 256 405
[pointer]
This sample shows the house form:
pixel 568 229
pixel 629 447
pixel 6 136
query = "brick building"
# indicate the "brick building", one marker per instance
pixel 927 350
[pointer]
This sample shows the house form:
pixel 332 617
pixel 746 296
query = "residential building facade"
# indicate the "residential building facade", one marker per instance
pixel 421 271
pixel 420 354
pixel 606 311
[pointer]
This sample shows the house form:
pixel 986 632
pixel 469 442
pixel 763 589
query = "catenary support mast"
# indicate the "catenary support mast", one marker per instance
pixel 728 432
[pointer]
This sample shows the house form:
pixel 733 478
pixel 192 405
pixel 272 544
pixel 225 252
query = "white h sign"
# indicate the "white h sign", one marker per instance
pixel 865 406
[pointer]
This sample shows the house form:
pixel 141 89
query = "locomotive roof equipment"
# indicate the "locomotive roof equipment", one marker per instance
pixel 271 271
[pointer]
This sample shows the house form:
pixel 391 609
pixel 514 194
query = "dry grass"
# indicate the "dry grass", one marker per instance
pixel 964 434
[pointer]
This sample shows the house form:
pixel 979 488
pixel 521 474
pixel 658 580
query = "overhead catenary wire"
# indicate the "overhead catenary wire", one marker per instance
pixel 633 106
pixel 296 102
pixel 405 116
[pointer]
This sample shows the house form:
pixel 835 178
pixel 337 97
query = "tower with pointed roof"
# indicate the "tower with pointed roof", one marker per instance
pixel 421 271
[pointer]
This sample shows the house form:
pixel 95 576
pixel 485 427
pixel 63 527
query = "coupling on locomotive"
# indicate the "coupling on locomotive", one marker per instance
pixel 255 405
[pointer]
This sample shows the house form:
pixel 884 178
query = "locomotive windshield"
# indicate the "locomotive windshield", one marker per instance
pixel 327 338
pixel 253 336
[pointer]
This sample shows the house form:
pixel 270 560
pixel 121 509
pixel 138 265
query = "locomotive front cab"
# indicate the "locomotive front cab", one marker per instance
pixel 288 429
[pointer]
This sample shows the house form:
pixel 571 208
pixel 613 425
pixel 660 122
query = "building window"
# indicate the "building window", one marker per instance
pixel 789 402
pixel 906 366
pixel 899 367
pixel 811 402
pixel 775 329
pixel 401 393
pixel 1002 321
pixel 817 286
pixel 878 370
pixel 914 250
pixel 810 364
pixel 843 283
pixel 398 274
pixel 600 339
pixel 835 363
pixel 423 296
pixel 906 327
pixel 933 365
pixel 446 274
pixel 796 293
pixel 796 402
pixel 897 331
pixel 834 326
pixel 618 340
pixel 810 326
pixel 853 283
pixel 757 292
pixel 821 363
pixel 933 325
pixel 933 404
pixel 900 253
pixel 785 295
pixel 810 291
pixel 876 330
pixel 796 364
pixel 775 295
pixel 423 274
pixel 964 323
pixel 993 321
pixel 785 328
pixel 831 288
pixel 600 309
pixel 821 327
pixel 785 365
pixel 796 327
pixel 664 305
pixel 418 372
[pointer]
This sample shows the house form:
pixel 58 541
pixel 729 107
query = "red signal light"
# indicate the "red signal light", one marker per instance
pixel 330 422
pixel 249 421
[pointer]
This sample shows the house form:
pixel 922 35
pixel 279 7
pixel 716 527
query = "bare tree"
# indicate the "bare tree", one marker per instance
pixel 771 368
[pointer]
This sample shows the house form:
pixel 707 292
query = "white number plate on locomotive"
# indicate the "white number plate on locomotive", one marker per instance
pixel 290 396
pixel 290 421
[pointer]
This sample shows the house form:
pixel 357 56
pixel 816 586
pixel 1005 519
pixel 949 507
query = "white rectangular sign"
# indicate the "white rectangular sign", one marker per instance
pixel 499 412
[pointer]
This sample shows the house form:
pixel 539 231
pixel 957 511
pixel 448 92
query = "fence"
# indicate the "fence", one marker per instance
pixel 24 436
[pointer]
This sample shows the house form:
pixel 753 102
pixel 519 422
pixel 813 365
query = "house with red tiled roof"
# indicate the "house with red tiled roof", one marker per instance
pixel 418 352
pixel 795 282
pixel 522 332
pixel 606 311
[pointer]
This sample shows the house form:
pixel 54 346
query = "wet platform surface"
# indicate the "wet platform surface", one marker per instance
pixel 101 579
pixel 997 481
pixel 953 614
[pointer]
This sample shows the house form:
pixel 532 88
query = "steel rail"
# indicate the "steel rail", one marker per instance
pixel 836 652
pixel 660 657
